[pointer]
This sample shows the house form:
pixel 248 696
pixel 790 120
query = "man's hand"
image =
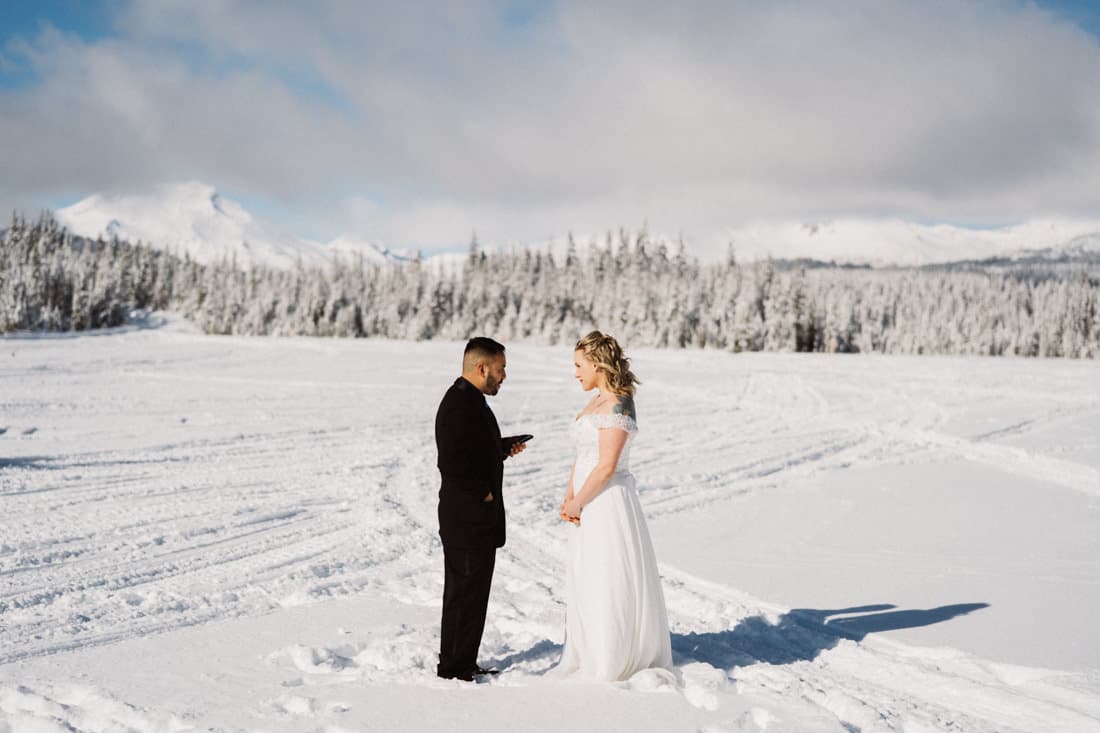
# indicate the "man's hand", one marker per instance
pixel 488 497
pixel 516 449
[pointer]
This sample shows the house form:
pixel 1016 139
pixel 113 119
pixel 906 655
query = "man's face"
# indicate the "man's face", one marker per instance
pixel 493 372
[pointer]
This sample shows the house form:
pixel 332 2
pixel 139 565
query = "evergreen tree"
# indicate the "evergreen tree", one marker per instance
pixel 643 290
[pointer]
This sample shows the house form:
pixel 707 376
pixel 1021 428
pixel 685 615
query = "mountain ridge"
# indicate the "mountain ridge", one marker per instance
pixel 195 218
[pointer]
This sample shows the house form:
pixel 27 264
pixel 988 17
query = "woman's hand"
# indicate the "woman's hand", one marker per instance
pixel 575 519
pixel 571 510
pixel 565 516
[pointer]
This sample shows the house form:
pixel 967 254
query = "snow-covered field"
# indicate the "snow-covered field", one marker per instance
pixel 239 534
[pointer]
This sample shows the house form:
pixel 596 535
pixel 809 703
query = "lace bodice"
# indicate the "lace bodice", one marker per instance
pixel 586 437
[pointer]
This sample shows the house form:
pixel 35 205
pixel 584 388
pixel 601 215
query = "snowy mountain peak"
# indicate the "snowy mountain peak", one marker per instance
pixel 194 218
pixel 216 202
pixel 348 245
pixel 898 242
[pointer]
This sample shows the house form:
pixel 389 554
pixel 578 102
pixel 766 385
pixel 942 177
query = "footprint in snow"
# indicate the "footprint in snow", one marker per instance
pixel 302 705
pixel 295 705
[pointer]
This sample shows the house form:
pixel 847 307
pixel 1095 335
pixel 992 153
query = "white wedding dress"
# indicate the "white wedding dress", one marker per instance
pixel 616 623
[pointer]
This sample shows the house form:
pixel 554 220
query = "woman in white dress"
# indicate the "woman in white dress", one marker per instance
pixel 616 623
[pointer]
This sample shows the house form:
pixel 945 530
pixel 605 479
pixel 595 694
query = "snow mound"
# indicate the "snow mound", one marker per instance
pixel 76 708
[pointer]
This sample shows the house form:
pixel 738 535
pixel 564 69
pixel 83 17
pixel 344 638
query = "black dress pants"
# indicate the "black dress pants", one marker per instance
pixel 467 577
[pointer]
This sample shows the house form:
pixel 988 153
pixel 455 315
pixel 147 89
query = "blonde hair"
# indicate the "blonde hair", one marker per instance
pixel 607 356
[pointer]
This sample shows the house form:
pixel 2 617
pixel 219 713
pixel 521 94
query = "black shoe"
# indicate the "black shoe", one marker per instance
pixel 449 675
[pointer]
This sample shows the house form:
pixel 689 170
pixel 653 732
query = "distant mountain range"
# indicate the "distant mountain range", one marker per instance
pixel 867 243
pixel 891 242
pixel 194 218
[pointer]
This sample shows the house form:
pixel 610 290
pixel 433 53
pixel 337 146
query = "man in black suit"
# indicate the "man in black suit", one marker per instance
pixel 471 507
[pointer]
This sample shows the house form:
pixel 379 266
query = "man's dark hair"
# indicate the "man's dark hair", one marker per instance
pixel 483 346
pixel 478 349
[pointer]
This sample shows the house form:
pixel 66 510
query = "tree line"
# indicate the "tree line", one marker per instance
pixel 646 291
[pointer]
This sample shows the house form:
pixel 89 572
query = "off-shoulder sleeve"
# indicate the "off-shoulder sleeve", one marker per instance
pixel 615 420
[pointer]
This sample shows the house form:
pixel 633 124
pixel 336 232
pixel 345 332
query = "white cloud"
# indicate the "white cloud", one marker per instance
pixel 587 117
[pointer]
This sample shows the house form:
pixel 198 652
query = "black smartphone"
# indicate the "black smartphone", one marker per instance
pixel 514 439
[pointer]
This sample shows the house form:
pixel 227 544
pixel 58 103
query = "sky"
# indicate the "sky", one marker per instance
pixel 416 124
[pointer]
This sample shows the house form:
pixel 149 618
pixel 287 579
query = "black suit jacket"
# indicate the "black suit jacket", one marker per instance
pixel 471 464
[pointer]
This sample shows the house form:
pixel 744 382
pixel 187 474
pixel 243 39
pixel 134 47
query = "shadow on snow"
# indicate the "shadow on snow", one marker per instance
pixel 26 462
pixel 803 633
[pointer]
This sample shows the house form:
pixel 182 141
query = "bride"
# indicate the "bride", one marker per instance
pixel 616 623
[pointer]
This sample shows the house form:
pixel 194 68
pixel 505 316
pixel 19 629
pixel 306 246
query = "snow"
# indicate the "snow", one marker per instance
pixel 898 242
pixel 350 247
pixel 878 242
pixel 194 218
pixel 239 534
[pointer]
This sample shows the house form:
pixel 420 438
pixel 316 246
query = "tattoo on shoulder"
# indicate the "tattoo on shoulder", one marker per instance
pixel 624 405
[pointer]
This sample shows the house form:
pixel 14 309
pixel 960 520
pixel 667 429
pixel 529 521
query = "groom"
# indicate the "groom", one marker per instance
pixel 471 508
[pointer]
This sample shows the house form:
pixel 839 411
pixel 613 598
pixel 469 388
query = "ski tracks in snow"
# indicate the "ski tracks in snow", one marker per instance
pixel 239 477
